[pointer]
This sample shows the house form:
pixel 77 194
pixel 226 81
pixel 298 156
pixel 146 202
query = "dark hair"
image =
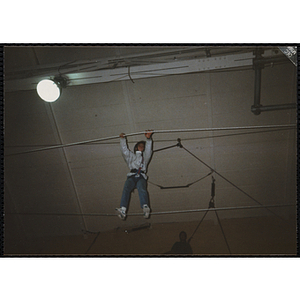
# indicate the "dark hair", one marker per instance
pixel 136 145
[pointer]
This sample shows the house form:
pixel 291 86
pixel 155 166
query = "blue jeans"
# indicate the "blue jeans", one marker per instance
pixel 135 182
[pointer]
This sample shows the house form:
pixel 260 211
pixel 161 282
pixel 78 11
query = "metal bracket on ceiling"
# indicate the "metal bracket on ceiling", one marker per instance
pixel 259 63
pixel 291 53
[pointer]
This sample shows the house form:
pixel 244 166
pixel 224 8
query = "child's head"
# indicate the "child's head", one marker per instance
pixel 140 146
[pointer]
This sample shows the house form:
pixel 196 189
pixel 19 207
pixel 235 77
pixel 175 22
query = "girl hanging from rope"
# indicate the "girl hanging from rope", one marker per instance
pixel 137 162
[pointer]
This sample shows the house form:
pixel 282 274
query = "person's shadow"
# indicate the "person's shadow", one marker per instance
pixel 181 247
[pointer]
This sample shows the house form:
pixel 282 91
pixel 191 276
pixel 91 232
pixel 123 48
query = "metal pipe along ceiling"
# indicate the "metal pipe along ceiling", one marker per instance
pixel 258 64
pixel 143 71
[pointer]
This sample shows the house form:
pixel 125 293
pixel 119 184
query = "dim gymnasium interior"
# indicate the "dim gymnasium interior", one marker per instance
pixel 224 155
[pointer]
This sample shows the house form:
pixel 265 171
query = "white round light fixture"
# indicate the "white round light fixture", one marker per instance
pixel 48 90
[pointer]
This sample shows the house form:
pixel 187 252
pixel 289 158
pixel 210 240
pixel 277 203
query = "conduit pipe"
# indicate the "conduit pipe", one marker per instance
pixel 258 64
pixel 258 110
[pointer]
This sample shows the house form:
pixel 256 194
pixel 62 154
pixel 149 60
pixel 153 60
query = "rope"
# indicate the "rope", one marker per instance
pixel 230 182
pixel 92 243
pixel 165 148
pixel 223 232
pixel 155 131
pixel 130 75
pixel 179 144
pixel 219 128
pixel 166 140
pixel 180 186
pixel 198 226
pixel 210 205
pixel 153 213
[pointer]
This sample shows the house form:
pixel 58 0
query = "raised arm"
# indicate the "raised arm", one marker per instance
pixel 123 143
pixel 148 146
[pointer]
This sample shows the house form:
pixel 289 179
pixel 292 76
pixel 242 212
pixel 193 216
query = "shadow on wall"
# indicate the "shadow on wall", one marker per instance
pixel 181 247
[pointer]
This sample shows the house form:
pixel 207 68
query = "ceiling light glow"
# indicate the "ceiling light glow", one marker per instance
pixel 48 90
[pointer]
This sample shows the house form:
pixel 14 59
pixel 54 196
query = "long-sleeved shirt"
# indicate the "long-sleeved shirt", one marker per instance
pixel 137 160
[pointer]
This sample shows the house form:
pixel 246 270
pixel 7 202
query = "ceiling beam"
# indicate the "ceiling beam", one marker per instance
pixel 143 71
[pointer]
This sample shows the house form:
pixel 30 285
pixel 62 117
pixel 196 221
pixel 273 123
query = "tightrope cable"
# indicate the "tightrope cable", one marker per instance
pixel 141 214
pixel 155 131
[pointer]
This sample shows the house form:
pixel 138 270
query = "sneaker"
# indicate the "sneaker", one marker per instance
pixel 146 210
pixel 121 212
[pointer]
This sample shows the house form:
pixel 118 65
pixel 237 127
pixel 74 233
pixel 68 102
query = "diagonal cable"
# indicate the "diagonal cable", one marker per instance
pixel 198 226
pixel 223 232
pixel 93 242
pixel 200 179
pixel 210 205
pixel 231 183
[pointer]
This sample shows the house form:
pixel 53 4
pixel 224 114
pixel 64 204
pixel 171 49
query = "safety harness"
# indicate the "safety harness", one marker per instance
pixel 139 170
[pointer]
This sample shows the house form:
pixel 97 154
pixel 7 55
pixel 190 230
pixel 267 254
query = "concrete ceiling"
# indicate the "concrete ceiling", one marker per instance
pixel 51 191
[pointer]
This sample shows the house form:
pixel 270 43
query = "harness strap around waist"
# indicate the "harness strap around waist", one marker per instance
pixel 136 170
